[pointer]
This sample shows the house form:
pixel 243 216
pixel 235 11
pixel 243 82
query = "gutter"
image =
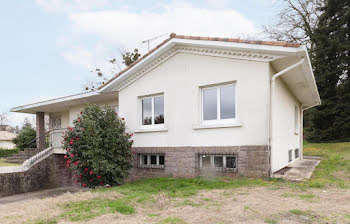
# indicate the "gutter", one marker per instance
pixel 272 90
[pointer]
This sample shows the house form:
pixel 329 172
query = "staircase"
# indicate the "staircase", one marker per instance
pixel 21 156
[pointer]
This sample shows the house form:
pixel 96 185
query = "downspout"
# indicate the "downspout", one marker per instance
pixel 272 90
pixel 301 153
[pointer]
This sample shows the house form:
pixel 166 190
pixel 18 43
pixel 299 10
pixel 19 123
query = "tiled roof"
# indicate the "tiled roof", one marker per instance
pixel 233 40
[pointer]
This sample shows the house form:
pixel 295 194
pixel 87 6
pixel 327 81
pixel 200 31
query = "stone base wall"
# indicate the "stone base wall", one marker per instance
pixel 252 161
pixel 50 172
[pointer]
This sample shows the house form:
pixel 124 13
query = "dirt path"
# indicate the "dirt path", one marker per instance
pixel 244 205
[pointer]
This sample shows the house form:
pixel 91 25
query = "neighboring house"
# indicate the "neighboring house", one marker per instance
pixel 6 140
pixel 199 105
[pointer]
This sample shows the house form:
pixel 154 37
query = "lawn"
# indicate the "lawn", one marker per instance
pixel 4 163
pixel 323 199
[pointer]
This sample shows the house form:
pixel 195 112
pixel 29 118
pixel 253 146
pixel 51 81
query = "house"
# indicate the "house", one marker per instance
pixel 199 105
pixel 6 140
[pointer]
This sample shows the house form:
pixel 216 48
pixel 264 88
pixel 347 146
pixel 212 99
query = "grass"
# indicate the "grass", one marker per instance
pixel 300 212
pixel 88 209
pixel 150 192
pixel 271 221
pixel 3 163
pixel 335 160
pixel 172 220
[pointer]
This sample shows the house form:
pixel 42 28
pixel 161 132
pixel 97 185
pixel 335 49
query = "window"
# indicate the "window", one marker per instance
pixel 218 162
pixel 152 110
pixel 290 155
pixel 296 120
pixel 218 103
pixel 296 153
pixel 150 160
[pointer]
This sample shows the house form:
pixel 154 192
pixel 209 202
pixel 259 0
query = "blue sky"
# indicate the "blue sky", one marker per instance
pixel 48 47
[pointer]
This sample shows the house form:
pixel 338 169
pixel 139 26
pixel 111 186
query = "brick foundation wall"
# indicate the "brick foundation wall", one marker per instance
pixel 252 161
pixel 50 172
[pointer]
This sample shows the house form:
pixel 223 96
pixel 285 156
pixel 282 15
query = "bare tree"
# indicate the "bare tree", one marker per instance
pixel 3 121
pixel 296 21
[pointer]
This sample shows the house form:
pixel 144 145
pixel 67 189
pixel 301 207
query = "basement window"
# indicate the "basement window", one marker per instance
pixel 290 155
pixel 223 162
pixel 296 153
pixel 151 160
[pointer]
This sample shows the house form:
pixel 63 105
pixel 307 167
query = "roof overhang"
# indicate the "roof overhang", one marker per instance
pixel 64 103
pixel 300 81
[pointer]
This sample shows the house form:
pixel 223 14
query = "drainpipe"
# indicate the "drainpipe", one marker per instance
pixel 301 153
pixel 272 90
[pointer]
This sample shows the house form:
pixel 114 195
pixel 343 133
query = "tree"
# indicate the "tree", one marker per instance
pixel 3 121
pixel 128 59
pixel 296 21
pixel 26 137
pixel 331 61
pixel 98 147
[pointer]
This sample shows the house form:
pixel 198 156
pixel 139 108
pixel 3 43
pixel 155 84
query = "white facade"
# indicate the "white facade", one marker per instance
pixel 180 80
pixel 273 85
pixel 7 144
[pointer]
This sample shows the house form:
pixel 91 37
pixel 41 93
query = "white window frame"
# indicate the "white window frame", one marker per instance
pixel 212 163
pixel 218 119
pixel 149 165
pixel 296 120
pixel 153 125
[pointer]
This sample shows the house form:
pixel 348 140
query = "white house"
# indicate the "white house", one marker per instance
pixel 6 140
pixel 197 104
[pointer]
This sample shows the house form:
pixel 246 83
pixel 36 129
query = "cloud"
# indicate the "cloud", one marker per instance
pixel 79 56
pixel 127 29
pixel 68 6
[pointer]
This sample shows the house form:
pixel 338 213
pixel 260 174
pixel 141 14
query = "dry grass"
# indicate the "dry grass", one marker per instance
pixel 241 205
pixel 3 163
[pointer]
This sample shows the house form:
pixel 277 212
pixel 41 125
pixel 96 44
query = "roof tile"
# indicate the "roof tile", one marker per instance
pixel 173 35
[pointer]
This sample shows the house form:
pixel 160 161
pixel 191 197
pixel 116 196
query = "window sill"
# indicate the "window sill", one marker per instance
pixel 143 130
pixel 210 126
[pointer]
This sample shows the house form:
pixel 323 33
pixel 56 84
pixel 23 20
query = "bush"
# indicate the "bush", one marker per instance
pixel 24 138
pixel 7 152
pixel 98 148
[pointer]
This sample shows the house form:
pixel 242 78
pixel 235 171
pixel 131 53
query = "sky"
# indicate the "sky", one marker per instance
pixel 48 48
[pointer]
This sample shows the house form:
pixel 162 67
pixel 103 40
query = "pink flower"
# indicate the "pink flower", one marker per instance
pixel 90 180
pixel 91 172
pixel 101 183
pixel 65 157
pixel 77 139
pixel 67 150
pixel 76 163
pixel 71 155
pixel 84 185
pixel 86 169
pixel 78 120
pixel 99 177
pixel 75 181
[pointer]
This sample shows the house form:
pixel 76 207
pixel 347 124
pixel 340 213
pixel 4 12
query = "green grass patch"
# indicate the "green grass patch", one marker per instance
pixel 300 212
pixel 172 220
pixel 271 221
pixel 3 163
pixel 88 209
pixel 306 196
pixel 335 159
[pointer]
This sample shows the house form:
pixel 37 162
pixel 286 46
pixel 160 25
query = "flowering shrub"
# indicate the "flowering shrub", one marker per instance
pixel 98 149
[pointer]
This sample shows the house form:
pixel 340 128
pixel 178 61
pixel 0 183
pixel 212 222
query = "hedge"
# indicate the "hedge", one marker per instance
pixel 7 152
